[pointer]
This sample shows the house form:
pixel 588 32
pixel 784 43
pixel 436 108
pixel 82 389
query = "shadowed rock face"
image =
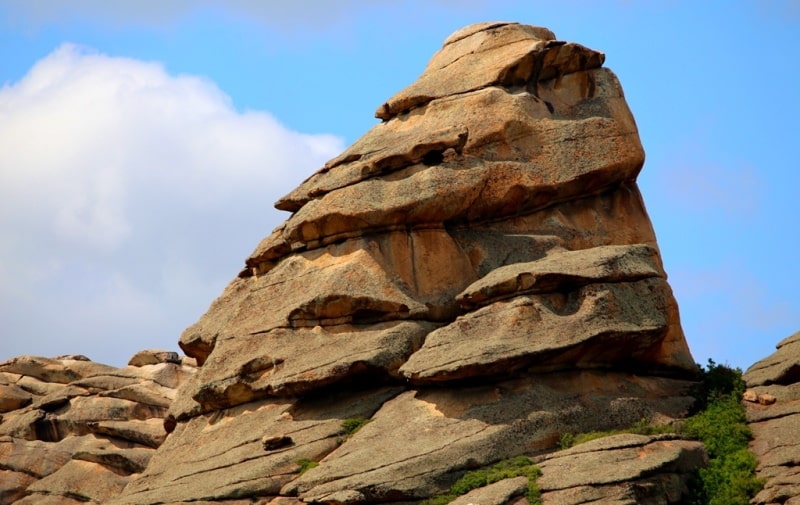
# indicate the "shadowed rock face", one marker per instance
pixel 476 275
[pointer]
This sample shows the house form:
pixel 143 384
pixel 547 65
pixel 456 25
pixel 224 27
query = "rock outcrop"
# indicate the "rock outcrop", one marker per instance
pixel 621 469
pixel 474 277
pixel 72 430
pixel 773 413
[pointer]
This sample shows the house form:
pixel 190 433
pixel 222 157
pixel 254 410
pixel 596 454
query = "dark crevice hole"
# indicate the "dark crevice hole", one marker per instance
pixel 432 158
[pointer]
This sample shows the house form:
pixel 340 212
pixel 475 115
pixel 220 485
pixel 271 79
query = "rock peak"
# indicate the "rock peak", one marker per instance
pixel 472 278
pixel 487 237
pixel 492 54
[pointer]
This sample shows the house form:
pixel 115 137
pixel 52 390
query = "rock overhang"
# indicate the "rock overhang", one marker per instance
pixel 480 264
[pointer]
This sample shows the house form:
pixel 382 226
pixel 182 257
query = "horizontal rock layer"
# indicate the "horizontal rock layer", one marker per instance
pixel 474 277
pixel 73 430
pixel 776 425
pixel 415 444
pixel 487 238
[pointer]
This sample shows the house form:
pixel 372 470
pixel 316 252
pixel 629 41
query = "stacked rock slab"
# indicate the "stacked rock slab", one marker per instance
pixel 74 431
pixel 475 276
pixel 773 413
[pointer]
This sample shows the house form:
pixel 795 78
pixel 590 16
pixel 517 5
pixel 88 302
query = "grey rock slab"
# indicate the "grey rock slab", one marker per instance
pixel 45 369
pixel 84 480
pixel 562 270
pixel 13 485
pixel 31 456
pixel 220 456
pixel 59 398
pixel 48 499
pixel 507 55
pixel 13 397
pixel 149 432
pixel 343 283
pixel 419 443
pixel 21 424
pixel 127 461
pixel 170 375
pixel 286 362
pixel 38 387
pixel 780 367
pixel 597 324
pixel 146 392
pixel 468 189
pixel 153 357
pixel 498 493
pixel 382 150
pixel 627 463
pixel 776 442
pixel 757 413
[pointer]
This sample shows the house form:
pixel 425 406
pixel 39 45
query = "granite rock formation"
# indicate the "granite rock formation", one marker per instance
pixel 773 413
pixel 72 430
pixel 472 278
pixel 475 275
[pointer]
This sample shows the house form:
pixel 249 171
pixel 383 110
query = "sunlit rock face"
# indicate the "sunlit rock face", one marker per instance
pixel 76 431
pixel 477 275
pixel 773 412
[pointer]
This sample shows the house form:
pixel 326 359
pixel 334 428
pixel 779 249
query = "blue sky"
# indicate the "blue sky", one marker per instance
pixel 142 145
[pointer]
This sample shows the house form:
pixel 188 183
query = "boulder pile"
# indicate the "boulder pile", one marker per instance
pixel 72 430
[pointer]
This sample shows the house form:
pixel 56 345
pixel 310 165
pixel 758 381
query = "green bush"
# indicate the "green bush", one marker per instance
pixel 566 441
pixel 721 425
pixel 719 381
pixel 729 478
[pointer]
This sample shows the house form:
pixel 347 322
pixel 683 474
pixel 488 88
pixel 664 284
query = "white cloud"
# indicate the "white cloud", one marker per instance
pixel 128 198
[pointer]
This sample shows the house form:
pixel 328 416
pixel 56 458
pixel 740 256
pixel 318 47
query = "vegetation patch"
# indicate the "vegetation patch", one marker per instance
pixel 643 427
pixel 729 478
pixel 520 466
pixel 353 424
pixel 306 465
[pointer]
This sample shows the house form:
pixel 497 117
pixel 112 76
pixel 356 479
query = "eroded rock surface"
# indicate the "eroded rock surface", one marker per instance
pixel 472 278
pixel 622 469
pixel 75 431
pixel 776 423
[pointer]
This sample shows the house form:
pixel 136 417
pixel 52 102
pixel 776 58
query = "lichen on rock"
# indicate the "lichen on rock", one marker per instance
pixel 477 275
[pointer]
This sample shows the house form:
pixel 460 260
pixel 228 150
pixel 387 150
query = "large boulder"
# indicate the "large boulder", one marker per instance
pixel 474 277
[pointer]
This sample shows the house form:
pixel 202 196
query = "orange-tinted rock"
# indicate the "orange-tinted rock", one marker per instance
pixel 487 237
pixel 474 277
pixel 75 431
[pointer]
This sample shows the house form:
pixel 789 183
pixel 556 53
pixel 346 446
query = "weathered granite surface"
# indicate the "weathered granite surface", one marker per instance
pixel 72 430
pixel 774 417
pixel 472 278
